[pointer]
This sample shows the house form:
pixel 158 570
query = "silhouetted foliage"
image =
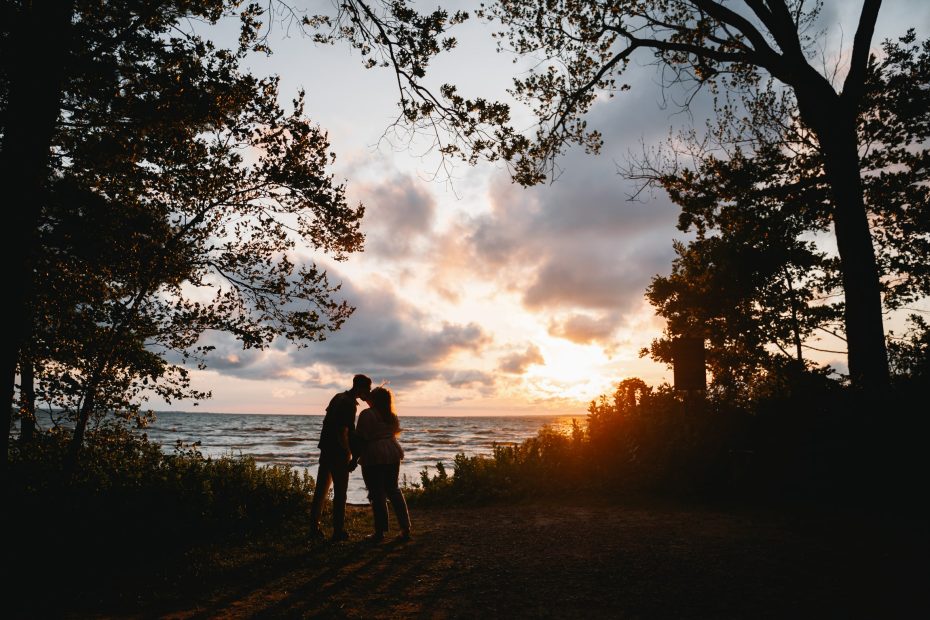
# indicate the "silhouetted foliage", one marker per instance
pixel 123 473
pixel 910 357
pixel 580 52
pixel 177 194
pixel 752 282
pixel 811 442
pixel 130 517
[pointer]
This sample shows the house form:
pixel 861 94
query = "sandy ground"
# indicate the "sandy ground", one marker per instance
pixel 583 559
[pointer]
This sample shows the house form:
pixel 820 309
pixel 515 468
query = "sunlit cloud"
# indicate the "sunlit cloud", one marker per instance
pixel 583 328
pixel 516 363
pixel 469 378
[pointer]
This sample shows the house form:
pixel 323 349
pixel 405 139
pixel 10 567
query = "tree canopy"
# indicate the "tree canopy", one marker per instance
pixel 753 281
pixel 178 199
pixel 582 50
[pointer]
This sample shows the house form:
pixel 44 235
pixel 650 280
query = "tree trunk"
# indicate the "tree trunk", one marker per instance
pixel 795 322
pixel 27 398
pixel 80 428
pixel 833 119
pixel 36 64
pixel 865 334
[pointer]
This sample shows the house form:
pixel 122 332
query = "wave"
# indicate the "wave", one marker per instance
pixel 446 442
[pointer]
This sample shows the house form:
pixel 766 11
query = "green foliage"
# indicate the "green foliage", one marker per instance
pixel 125 483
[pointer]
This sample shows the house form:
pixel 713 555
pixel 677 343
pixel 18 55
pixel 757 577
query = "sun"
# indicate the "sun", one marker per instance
pixel 572 371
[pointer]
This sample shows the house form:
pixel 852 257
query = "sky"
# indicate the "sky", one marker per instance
pixel 474 295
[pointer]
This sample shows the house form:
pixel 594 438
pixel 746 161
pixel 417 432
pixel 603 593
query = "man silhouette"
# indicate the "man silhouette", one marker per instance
pixel 337 457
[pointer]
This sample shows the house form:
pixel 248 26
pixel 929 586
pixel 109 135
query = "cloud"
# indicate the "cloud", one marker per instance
pixel 587 280
pixel 227 357
pixel 583 328
pixel 516 363
pixel 468 378
pixel 578 245
pixel 386 338
pixel 399 213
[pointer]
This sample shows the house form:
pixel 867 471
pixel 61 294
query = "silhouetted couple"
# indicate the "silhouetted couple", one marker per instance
pixel 373 444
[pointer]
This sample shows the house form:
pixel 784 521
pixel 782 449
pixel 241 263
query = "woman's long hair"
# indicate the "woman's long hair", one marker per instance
pixel 382 399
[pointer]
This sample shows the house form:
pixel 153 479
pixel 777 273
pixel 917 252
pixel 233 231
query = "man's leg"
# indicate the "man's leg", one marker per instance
pixel 340 476
pixel 323 481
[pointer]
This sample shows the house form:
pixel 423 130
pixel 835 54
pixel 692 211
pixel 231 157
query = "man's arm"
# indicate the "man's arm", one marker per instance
pixel 344 439
pixel 346 445
pixel 356 441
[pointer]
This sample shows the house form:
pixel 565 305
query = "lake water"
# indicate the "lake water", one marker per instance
pixel 292 439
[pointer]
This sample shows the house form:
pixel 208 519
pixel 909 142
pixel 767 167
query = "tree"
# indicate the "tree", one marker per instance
pixel 581 50
pixel 179 252
pixel 177 190
pixel 756 307
pixel 50 46
pixel 750 280
pixel 34 42
pixel 589 44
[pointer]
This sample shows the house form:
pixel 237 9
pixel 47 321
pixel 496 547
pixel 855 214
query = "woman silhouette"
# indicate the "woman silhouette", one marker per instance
pixel 378 427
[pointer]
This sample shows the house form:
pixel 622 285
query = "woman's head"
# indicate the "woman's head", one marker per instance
pixel 382 400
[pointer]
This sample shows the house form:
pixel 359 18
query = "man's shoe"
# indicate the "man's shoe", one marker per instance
pixel 340 536
pixel 374 538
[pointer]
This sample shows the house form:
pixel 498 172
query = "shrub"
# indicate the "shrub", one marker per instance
pixel 124 484
pixel 812 441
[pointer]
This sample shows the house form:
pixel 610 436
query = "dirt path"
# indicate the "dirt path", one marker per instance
pixel 586 560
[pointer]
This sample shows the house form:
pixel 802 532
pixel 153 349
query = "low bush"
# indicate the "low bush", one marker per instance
pixel 124 486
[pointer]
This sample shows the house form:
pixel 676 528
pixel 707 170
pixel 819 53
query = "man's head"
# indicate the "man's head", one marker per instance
pixel 361 386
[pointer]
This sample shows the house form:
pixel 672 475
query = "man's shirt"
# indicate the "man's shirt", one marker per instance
pixel 340 416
